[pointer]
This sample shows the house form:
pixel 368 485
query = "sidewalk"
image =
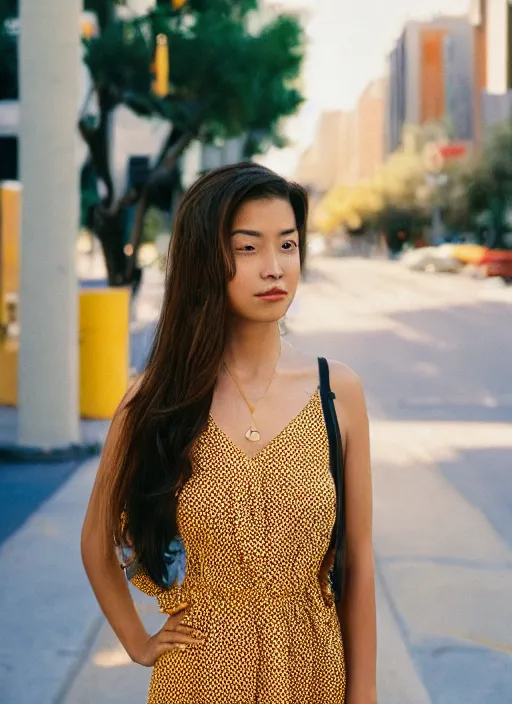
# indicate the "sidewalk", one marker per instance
pixel 48 615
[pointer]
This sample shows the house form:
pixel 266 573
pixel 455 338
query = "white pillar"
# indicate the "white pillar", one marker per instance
pixel 49 93
pixel 498 58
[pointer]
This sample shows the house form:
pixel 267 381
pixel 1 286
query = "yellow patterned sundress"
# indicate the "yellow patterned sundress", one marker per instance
pixel 256 531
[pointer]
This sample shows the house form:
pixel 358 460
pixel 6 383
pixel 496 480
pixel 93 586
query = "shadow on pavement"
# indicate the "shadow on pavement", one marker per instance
pixel 24 487
pixel 437 365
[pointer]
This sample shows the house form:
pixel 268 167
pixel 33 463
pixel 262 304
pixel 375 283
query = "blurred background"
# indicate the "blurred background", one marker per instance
pixel 397 117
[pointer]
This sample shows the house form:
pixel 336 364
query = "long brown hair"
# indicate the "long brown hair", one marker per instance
pixel 171 406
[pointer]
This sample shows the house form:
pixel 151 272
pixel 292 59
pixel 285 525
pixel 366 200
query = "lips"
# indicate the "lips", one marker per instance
pixel 274 295
pixel 273 292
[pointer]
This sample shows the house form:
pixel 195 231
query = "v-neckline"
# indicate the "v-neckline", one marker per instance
pixel 251 458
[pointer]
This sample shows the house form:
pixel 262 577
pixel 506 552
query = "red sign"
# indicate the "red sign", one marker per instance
pixel 453 150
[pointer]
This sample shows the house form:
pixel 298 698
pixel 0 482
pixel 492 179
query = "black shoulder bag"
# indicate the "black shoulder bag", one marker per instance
pixel 337 470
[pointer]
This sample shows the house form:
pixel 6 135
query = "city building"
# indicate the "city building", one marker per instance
pixel 331 158
pixel 492 26
pixel 347 146
pixel 431 78
pixel 369 127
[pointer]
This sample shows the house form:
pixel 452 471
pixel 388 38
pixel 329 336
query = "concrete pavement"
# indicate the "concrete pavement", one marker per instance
pixel 430 351
pixel 439 388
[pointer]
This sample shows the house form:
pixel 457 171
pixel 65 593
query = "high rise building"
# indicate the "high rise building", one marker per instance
pixel 492 27
pixel 431 78
pixel 331 159
pixel 369 127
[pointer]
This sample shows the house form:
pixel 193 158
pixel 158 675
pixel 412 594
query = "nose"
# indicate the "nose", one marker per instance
pixel 272 268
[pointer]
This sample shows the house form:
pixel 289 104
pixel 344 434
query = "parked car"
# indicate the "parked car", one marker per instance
pixel 497 262
pixel 432 260
pixel 469 253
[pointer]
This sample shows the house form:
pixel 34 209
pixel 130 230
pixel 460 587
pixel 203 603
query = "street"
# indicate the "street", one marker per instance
pixel 433 352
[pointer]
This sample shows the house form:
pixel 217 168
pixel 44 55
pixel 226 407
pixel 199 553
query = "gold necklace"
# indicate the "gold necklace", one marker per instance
pixel 252 433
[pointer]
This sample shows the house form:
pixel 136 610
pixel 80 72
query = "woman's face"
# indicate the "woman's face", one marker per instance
pixel 265 245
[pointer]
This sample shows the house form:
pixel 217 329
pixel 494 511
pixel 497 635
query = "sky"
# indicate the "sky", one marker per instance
pixel 349 41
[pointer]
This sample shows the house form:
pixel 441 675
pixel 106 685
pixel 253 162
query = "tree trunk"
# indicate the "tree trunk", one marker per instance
pixel 167 163
pixel 109 218
pixel 110 230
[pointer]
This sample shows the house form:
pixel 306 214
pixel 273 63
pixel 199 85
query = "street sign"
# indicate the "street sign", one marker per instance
pixel 453 150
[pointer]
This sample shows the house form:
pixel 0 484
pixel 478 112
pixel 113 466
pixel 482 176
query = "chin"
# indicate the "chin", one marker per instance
pixel 268 318
pixel 273 316
pixel 272 313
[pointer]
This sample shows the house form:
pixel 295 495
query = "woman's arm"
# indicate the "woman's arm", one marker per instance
pixel 108 580
pixel 356 611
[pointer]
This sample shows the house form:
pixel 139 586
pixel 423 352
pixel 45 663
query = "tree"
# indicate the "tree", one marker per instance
pixel 225 81
pixel 478 196
pixel 490 186
pixel 389 202
pixel 8 50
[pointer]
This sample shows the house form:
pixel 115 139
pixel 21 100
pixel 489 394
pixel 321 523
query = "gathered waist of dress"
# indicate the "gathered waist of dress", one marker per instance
pixel 264 593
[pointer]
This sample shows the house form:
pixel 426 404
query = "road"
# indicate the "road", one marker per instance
pixel 434 355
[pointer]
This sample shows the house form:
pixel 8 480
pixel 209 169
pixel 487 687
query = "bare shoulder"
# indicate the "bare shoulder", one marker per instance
pixel 350 398
pixel 344 380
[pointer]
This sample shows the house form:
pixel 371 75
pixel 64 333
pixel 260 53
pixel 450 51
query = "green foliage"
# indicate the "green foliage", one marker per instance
pixel 154 224
pixel 225 80
pixel 119 63
pixel 236 8
pixel 479 193
pixel 8 8
pixel 8 51
pixel 229 77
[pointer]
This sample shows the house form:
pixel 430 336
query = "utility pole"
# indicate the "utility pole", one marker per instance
pixel 50 56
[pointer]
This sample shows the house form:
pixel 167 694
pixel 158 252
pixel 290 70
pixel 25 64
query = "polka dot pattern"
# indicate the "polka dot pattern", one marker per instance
pixel 256 532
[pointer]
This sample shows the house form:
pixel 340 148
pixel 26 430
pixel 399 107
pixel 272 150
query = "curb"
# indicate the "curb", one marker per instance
pixel 19 455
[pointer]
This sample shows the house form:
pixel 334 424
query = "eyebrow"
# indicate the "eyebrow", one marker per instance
pixel 255 233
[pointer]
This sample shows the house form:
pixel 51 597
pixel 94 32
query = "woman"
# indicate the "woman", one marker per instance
pixel 221 444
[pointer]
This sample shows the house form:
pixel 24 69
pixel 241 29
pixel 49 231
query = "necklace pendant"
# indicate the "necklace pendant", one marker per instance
pixel 253 435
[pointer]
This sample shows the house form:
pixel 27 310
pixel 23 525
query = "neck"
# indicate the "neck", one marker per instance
pixel 252 348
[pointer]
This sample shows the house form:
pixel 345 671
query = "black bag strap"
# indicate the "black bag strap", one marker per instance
pixel 336 463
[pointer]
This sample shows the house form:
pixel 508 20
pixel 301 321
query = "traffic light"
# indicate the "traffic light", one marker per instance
pixel 161 64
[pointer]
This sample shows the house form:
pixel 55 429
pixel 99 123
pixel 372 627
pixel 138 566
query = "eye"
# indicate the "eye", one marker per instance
pixel 246 248
pixel 289 245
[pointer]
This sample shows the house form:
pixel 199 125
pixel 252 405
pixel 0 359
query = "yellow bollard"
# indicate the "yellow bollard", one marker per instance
pixel 104 350
pixel 10 214
pixel 10 201
pixel 8 372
